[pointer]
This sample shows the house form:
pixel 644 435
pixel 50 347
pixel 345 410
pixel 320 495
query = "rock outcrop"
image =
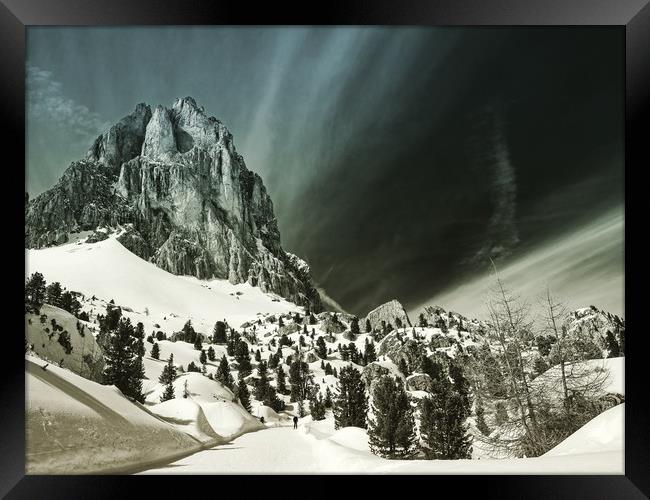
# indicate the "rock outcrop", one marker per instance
pixel 174 178
pixel 372 373
pixel 391 313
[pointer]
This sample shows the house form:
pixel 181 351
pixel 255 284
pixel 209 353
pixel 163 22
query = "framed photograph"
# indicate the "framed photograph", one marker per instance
pixel 388 240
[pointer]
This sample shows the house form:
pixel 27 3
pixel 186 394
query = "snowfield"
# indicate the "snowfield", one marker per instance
pixel 108 270
pixel 76 426
pixel 316 447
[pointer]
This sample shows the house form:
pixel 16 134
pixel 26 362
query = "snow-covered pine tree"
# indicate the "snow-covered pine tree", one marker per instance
pixel 354 327
pixel 34 293
pixel 328 402
pixel 403 367
pixel 321 348
pixel 211 354
pixel 299 378
pixel 244 395
pixel 223 373
pixel 351 404
pixel 262 383
pixel 167 377
pixel 121 355
pixel 391 429
pixel 442 423
pixel 316 404
pixel 242 357
pixel 219 333
pixel 370 354
pixel 280 380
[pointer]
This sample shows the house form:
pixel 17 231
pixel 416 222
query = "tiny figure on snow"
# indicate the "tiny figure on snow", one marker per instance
pixel 262 419
pixel 295 422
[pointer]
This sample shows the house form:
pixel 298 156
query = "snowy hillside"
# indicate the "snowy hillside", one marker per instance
pixel 108 271
pixel 77 426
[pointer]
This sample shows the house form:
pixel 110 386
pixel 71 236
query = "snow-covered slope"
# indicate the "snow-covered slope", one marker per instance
pixel 602 434
pixel 44 332
pixel 78 426
pixel 108 271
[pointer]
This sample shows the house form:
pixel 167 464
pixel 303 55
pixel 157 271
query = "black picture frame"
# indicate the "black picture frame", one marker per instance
pixel 632 16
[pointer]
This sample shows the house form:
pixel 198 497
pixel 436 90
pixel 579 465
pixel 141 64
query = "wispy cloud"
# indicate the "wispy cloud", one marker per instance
pixel 502 234
pixel 46 102
pixel 584 266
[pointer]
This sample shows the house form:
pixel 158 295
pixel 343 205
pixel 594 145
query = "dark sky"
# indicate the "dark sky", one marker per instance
pixel 398 159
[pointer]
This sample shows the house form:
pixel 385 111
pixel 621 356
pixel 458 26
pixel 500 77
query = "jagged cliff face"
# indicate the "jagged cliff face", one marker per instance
pixel 190 205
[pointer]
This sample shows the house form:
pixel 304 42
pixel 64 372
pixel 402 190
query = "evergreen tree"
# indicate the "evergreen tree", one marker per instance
pixel 258 356
pixel 350 404
pixel 167 377
pixel 53 292
pixel 368 326
pixel 211 354
pixel 123 362
pixel 280 380
pixel 328 398
pixel 203 358
pixel 442 424
pixel 391 430
pixel 612 345
pixel 34 293
pixel 198 345
pixel 328 369
pixel 353 354
pixel 316 405
pixel 403 367
pixel 300 379
pixel 69 303
pixel 189 335
pixel 370 354
pixel 345 354
pixel 354 327
pixel 274 360
pixel 280 322
pixel 191 367
pixel 223 374
pixel 155 351
pixel 422 321
pixel 244 395
pixel 321 348
pixel 219 333
pixel 242 357
pixel 262 383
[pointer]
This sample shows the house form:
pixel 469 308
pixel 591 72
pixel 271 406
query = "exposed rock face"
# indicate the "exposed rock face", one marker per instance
pixel 418 382
pixel 397 347
pixel 194 207
pixel 436 316
pixel 388 312
pixel 372 373
pixel 331 323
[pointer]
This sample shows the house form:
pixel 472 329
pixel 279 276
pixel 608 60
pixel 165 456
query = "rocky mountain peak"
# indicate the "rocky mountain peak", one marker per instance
pixel 192 207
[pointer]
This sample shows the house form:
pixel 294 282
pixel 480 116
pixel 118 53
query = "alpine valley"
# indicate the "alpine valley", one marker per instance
pixel 164 321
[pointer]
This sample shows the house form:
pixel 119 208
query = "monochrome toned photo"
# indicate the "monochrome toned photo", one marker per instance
pixel 317 250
